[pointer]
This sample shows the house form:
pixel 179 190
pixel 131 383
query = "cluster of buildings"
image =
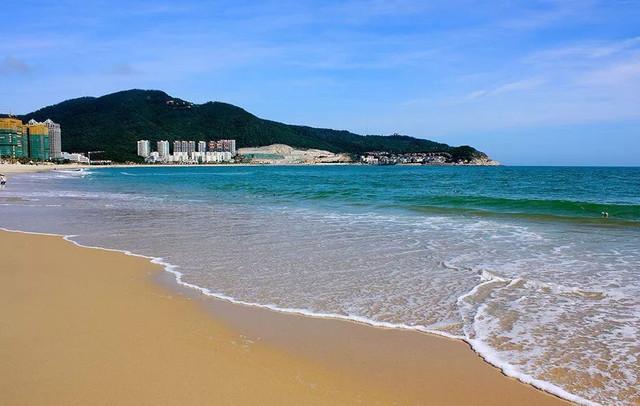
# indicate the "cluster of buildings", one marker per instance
pixel 188 151
pixel 416 158
pixel 33 140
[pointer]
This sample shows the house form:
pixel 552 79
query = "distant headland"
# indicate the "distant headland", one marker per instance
pixel 115 122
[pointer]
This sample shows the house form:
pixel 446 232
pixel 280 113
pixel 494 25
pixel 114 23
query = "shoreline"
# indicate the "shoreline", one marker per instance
pixel 13 169
pixel 250 319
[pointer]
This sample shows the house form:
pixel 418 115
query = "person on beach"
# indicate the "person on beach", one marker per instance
pixel 3 181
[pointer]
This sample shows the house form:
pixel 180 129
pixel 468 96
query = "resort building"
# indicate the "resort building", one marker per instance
pixel 163 149
pixel 11 138
pixel 188 147
pixel 180 157
pixel 223 146
pixel 38 140
pixel 55 139
pixel 35 140
pixel 153 157
pixel 230 147
pixel 79 158
pixel 211 157
pixel 189 152
pixel 143 148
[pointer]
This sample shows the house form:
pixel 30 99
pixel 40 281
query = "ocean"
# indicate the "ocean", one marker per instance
pixel 517 261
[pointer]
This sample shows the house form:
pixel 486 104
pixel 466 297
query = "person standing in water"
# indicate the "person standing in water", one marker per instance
pixel 3 181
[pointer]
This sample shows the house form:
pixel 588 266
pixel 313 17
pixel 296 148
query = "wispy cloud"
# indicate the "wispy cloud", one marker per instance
pixel 545 13
pixel 581 83
pixel 516 86
pixel 14 66
pixel 584 51
pixel 622 73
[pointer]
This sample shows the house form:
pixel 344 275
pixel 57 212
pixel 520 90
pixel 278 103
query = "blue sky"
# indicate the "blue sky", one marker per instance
pixel 529 82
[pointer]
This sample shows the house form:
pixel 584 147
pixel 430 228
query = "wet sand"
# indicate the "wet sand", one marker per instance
pixel 87 326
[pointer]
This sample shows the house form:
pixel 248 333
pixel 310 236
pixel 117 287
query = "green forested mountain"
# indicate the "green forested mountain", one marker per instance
pixel 115 122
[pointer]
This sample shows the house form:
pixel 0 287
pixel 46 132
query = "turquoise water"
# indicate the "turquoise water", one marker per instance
pixel 517 261
pixel 563 193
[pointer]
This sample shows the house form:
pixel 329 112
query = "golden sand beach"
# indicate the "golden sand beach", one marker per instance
pixel 81 326
pixel 18 168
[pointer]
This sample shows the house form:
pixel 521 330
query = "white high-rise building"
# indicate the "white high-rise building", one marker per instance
pixel 232 147
pixel 163 149
pixel 143 148
pixel 202 146
pixel 55 139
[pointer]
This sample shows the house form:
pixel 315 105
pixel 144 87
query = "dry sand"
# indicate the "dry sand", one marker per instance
pixel 91 327
pixel 17 168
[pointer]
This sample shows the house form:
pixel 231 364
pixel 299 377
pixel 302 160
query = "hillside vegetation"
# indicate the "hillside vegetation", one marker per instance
pixel 113 123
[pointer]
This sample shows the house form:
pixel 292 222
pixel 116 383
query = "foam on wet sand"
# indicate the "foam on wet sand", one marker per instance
pixel 88 326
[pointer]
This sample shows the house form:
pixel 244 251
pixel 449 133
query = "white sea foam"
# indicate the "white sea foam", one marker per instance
pixel 179 279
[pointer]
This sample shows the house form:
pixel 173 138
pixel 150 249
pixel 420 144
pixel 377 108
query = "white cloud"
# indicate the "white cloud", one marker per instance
pixel 622 73
pixel 510 87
